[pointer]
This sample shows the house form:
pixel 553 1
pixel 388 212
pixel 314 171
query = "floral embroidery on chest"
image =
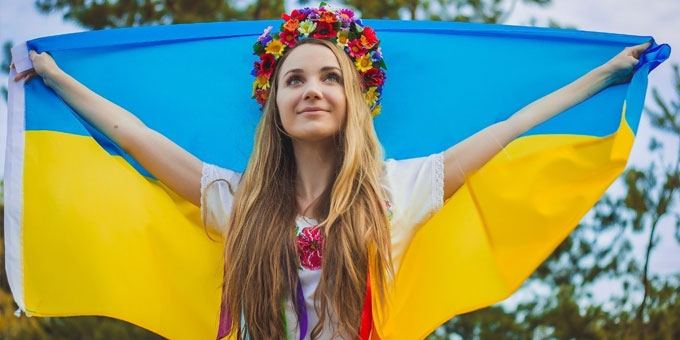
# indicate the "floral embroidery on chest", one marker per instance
pixel 310 242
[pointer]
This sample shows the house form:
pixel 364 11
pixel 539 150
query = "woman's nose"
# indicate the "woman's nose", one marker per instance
pixel 313 90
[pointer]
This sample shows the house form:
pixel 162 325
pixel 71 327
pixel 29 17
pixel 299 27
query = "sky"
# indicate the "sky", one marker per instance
pixel 19 21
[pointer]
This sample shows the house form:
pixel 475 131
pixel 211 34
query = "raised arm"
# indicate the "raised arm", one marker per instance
pixel 167 161
pixel 472 153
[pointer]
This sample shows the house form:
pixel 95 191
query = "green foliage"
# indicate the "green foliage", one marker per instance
pixel 486 11
pixel 4 66
pixel 124 13
pixel 570 313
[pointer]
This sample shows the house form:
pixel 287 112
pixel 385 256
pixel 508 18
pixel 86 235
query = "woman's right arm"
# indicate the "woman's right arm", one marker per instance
pixel 167 161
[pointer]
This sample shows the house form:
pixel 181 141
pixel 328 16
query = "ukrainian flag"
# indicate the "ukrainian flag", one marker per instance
pixel 89 232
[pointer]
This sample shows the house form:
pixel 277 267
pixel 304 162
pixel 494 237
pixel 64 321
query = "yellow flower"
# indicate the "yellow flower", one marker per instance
pixel 370 96
pixel 262 82
pixel 343 38
pixel 376 111
pixel 275 47
pixel 306 27
pixel 364 63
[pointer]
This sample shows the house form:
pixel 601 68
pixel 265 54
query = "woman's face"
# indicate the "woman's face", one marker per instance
pixel 310 95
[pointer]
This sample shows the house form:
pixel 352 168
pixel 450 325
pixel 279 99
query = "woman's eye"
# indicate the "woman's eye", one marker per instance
pixel 295 80
pixel 291 80
pixel 335 77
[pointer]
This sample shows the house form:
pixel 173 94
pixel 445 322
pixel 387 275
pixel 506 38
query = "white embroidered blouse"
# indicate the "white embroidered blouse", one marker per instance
pixel 415 191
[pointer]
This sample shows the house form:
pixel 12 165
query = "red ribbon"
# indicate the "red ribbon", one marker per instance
pixel 367 313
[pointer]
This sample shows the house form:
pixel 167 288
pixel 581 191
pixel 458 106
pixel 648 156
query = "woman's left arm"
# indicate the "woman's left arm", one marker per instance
pixel 473 152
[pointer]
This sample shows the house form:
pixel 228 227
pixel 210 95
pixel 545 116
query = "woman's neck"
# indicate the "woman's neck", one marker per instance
pixel 315 163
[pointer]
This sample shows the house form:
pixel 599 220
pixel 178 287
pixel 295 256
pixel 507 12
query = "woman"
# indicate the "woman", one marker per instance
pixel 316 210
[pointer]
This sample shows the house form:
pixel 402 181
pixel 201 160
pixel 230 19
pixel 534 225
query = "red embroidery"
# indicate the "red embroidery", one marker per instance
pixel 310 247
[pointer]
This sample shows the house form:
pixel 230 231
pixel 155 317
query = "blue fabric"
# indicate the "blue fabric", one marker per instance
pixel 445 81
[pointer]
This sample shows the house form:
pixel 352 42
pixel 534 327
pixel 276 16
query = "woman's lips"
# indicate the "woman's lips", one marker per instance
pixel 312 111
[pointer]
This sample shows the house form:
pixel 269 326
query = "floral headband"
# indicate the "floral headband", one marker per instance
pixel 339 26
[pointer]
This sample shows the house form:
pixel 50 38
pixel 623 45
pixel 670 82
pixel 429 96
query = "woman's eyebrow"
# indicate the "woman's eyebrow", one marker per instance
pixel 323 69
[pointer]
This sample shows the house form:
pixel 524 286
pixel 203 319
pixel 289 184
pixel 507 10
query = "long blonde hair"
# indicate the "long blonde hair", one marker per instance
pixel 261 260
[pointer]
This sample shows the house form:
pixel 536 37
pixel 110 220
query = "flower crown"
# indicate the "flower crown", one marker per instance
pixel 339 26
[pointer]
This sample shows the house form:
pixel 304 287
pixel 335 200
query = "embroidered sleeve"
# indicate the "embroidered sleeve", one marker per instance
pixel 218 186
pixel 416 188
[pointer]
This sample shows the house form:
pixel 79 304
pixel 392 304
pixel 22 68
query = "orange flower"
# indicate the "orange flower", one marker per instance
pixel 262 82
pixel 328 17
pixel 291 25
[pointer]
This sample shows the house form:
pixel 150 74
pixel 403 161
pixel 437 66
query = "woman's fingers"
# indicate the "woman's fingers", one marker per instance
pixel 637 50
pixel 20 75
pixel 40 64
pixel 28 74
pixel 620 68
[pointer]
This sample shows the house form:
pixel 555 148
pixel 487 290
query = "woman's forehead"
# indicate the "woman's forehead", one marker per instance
pixel 310 58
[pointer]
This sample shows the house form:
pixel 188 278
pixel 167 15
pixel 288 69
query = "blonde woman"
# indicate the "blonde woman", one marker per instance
pixel 317 209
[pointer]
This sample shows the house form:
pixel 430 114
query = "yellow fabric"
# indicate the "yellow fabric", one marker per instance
pixel 149 261
pixel 498 227
pixel 130 249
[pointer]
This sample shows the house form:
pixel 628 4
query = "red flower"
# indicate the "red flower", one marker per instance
pixel 261 96
pixel 265 67
pixel 356 50
pixel 374 77
pixel 324 30
pixel 295 14
pixel 368 39
pixel 310 247
pixel 289 38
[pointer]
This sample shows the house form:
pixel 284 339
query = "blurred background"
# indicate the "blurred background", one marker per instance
pixel 616 277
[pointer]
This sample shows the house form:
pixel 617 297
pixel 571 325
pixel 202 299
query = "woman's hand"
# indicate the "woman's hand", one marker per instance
pixel 43 66
pixel 619 70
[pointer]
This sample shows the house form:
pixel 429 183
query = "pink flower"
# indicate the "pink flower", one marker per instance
pixel 310 247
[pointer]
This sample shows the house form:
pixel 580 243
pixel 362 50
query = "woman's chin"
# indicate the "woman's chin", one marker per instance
pixel 314 135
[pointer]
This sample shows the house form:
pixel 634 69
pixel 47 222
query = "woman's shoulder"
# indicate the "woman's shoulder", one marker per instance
pixel 211 172
pixel 415 190
pixel 413 171
pixel 218 186
pixel 414 186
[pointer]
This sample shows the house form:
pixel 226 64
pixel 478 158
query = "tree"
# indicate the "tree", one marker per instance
pixel 4 66
pixel 125 13
pixel 486 11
